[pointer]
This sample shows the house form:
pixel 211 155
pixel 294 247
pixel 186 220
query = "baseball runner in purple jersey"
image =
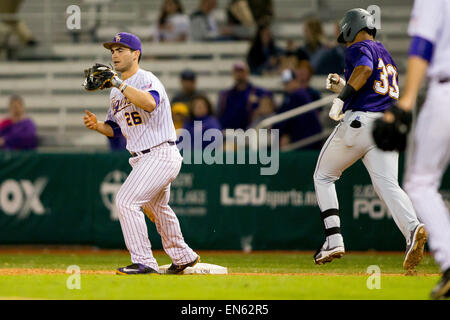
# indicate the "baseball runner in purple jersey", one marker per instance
pixel 140 110
pixel 372 85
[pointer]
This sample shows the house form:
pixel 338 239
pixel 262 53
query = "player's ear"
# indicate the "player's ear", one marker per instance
pixel 137 55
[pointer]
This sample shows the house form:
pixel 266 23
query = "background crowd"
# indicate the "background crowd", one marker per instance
pixel 243 105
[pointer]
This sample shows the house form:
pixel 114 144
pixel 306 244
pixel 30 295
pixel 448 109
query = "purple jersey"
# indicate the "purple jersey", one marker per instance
pixel 380 90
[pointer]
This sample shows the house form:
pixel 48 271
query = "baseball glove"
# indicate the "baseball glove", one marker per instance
pixel 100 77
pixel 390 132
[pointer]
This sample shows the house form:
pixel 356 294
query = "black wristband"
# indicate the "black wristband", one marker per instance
pixel 346 92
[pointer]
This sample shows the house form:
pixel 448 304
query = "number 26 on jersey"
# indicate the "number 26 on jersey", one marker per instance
pixel 133 118
pixel 385 86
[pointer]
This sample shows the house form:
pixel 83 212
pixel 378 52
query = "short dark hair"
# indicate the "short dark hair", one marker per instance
pixel 371 31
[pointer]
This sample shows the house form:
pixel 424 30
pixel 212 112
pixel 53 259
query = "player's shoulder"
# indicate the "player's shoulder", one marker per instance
pixel 148 80
pixel 363 45
pixel 113 93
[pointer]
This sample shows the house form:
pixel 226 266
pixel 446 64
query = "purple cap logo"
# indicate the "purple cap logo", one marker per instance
pixel 126 39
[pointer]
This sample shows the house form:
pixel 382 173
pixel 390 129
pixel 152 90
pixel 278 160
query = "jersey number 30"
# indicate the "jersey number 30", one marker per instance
pixel 133 118
pixel 383 86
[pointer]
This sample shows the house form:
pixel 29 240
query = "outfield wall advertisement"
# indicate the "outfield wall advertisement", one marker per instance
pixel 69 199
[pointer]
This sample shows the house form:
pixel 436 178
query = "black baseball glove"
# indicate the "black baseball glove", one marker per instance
pixel 392 135
pixel 100 77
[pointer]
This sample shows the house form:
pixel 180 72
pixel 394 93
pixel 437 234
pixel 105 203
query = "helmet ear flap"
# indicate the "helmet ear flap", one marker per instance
pixel 349 32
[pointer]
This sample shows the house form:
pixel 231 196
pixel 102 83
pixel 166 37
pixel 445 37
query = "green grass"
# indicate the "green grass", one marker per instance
pixel 350 285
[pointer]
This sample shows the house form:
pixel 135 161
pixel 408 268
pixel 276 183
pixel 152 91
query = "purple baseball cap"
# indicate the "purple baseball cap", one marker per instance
pixel 126 39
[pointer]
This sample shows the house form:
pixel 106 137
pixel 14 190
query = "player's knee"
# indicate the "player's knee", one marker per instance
pixel 420 187
pixel 121 202
pixel 323 178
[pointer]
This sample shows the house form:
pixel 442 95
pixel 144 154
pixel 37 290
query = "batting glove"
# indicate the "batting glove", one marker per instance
pixel 335 83
pixel 336 109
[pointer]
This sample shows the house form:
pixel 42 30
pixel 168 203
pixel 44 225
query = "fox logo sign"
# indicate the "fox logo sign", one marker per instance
pixel 22 197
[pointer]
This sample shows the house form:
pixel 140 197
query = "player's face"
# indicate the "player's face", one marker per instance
pixel 122 58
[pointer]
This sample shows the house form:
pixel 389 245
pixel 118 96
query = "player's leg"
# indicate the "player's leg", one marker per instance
pixel 149 176
pixel 430 158
pixel 383 169
pixel 333 159
pixel 168 227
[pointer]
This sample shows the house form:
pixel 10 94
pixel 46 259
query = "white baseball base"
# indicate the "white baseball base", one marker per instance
pixel 199 268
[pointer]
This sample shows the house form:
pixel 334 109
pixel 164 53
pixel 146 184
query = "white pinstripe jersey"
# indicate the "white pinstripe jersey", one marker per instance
pixel 143 130
pixel 431 20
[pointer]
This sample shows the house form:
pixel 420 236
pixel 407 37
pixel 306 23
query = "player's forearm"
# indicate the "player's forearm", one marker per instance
pixel 417 68
pixel 359 77
pixel 105 129
pixel 141 99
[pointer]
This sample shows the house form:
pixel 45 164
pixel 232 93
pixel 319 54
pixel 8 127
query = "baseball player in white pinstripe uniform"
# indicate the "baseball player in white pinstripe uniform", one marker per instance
pixel 429 55
pixel 140 110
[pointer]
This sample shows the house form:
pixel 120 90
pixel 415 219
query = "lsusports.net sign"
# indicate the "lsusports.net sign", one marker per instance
pixel 69 199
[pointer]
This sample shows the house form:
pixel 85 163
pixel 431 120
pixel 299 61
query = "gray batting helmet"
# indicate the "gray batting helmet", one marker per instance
pixel 353 22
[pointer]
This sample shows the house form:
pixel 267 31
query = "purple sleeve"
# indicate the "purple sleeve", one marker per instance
pixel 421 47
pixel 365 58
pixel 115 127
pixel 155 96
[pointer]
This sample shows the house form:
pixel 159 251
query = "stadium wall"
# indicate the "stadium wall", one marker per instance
pixel 68 199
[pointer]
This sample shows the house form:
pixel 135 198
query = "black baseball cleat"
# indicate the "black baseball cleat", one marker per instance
pixel 176 269
pixel 442 288
pixel 414 247
pixel 136 268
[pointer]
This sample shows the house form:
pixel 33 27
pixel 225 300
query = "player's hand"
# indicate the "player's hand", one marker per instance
pixel 336 110
pixel 390 132
pixel 90 120
pixel 335 83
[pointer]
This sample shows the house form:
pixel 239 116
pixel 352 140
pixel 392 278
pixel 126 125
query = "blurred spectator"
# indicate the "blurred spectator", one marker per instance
pixel 180 114
pixel 173 25
pixel 18 132
pixel 304 72
pixel 14 24
pixel 264 55
pixel 302 126
pixel 118 143
pixel 314 39
pixel 188 81
pixel 201 111
pixel 289 58
pixel 330 60
pixel 203 22
pixel 262 11
pixel 236 104
pixel 240 22
pixel 265 109
pixel 93 10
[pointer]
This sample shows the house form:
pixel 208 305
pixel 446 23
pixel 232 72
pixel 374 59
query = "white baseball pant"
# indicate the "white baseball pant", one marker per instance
pixel 148 187
pixel 429 160
pixel 343 148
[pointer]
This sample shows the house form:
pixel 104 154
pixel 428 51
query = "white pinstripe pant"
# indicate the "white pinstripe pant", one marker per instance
pixel 148 187
pixel 430 158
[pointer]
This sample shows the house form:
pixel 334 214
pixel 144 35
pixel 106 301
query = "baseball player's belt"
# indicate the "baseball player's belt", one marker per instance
pixel 139 153
pixel 444 80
